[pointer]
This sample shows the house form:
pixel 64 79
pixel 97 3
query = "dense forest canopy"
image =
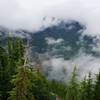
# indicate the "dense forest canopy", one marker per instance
pixel 20 81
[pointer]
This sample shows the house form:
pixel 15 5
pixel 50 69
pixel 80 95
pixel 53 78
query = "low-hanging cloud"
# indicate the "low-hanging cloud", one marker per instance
pixel 60 69
pixel 33 14
pixel 30 14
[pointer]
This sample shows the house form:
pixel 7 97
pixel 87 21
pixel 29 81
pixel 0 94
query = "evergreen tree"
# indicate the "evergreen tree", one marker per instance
pixel 83 87
pixel 40 87
pixel 23 77
pixel 16 53
pixel 58 89
pixel 22 82
pixel 4 75
pixel 97 87
pixel 87 88
pixel 9 57
pixel 73 87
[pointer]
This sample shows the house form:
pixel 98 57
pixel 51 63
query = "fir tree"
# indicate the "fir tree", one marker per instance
pixel 87 88
pixel 83 88
pixel 58 89
pixel 40 87
pixel 9 57
pixel 22 80
pixel 97 87
pixel 73 87
pixel 23 85
pixel 4 75
pixel 16 53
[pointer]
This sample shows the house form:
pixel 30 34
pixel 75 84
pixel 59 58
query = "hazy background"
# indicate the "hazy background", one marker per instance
pixel 29 14
pixel 34 14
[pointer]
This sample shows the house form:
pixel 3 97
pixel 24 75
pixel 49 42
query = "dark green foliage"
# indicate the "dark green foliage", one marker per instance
pixel 22 85
pixel 97 87
pixel 58 89
pixel 19 82
pixel 87 88
pixel 73 87
pixel 83 88
pixel 16 53
pixel 4 75
pixel 40 87
pixel 16 49
pixel 9 57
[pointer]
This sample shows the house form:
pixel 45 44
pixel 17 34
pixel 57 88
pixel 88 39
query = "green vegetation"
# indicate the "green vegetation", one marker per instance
pixel 19 81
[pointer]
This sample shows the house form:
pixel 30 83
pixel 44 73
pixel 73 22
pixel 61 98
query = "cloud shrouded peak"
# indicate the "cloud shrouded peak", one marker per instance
pixel 29 14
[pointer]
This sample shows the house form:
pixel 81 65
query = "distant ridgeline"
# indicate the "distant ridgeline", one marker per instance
pixel 64 39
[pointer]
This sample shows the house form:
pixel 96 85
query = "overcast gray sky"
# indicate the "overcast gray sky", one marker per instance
pixel 29 14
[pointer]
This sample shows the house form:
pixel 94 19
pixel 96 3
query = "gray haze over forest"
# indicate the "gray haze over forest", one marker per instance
pixel 34 15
